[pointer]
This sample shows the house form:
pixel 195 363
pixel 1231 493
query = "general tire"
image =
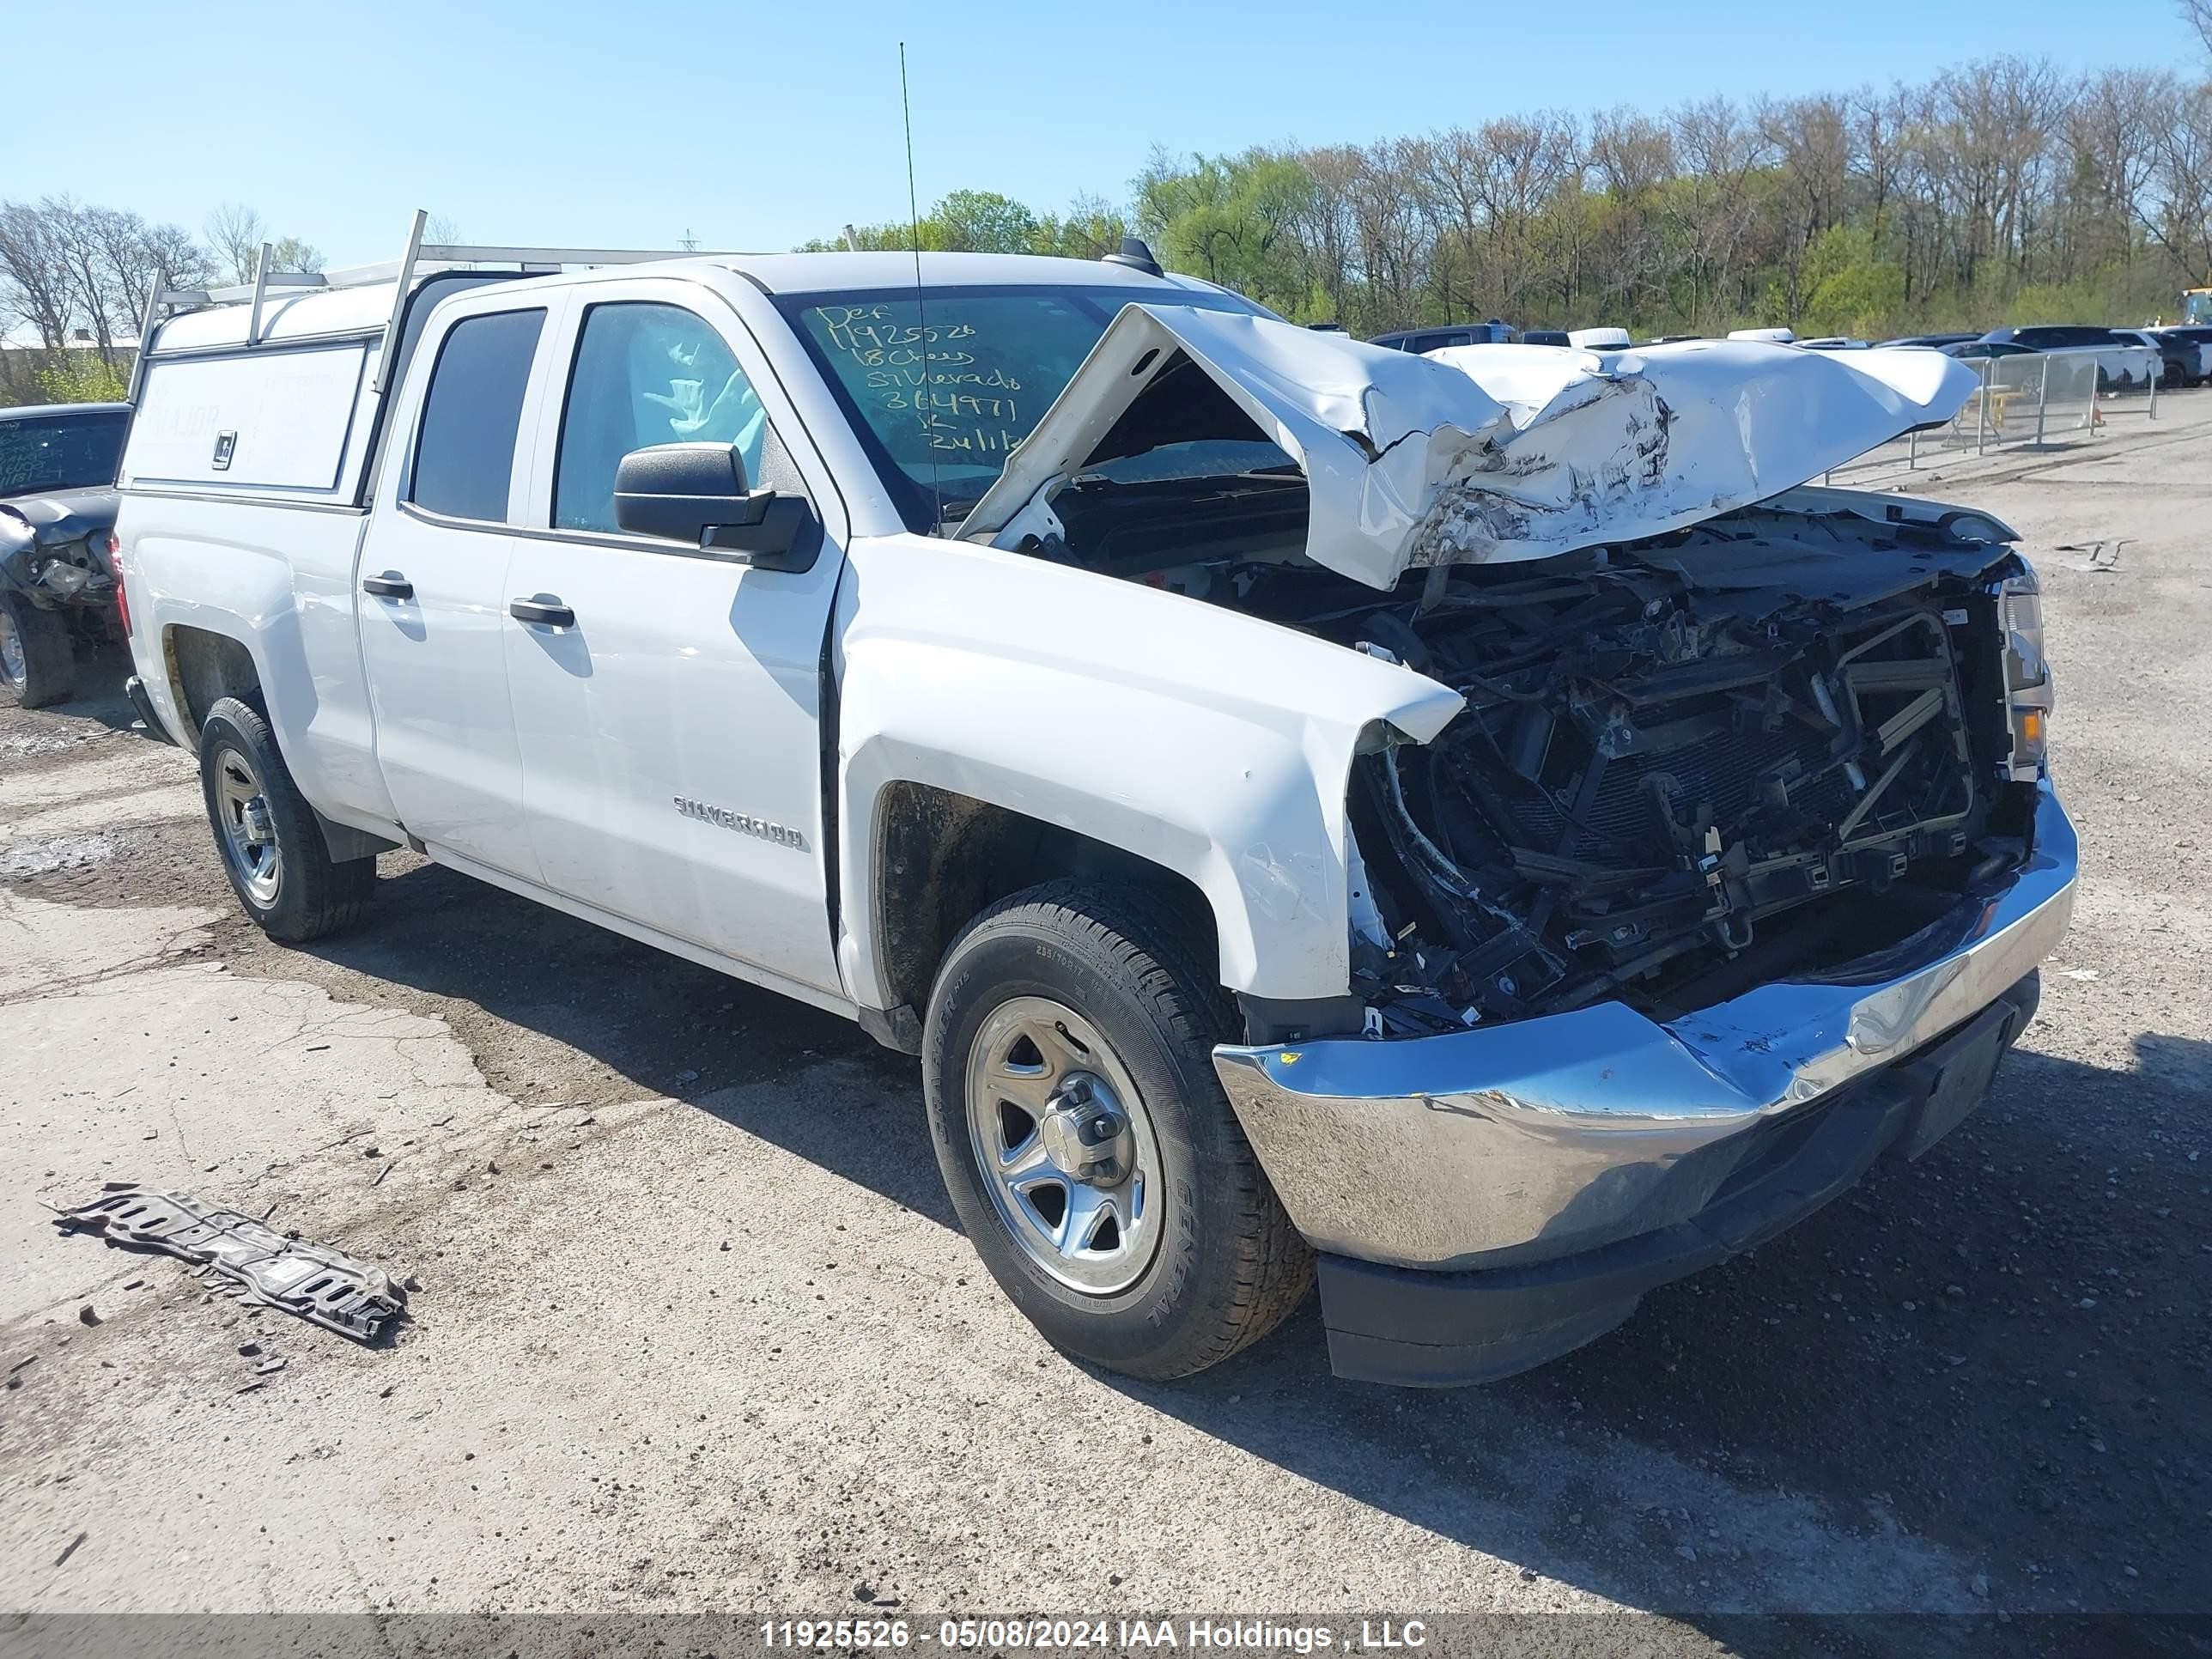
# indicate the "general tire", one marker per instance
pixel 305 895
pixel 38 665
pixel 1226 1266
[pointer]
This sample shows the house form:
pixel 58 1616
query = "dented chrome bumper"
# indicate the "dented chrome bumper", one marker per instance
pixel 1554 1136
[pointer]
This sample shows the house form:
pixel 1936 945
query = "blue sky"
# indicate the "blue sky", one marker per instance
pixel 758 126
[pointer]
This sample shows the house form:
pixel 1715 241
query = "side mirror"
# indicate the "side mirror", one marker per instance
pixel 696 492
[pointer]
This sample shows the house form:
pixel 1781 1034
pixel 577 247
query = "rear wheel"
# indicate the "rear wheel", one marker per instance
pixel 37 666
pixel 267 836
pixel 1095 1165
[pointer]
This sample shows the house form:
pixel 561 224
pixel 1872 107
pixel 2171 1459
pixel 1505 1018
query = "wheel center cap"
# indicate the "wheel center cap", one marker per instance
pixel 1086 1135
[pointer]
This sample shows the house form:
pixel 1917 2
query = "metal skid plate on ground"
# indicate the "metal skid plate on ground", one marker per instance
pixel 255 1262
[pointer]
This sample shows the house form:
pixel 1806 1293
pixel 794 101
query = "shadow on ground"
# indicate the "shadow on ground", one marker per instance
pixel 2001 1349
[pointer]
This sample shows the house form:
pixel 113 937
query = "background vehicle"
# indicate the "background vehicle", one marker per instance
pixel 2195 345
pixel 1975 351
pixel 2177 362
pixel 1458 334
pixel 2122 364
pixel 1550 336
pixel 57 507
pixel 1938 341
pixel 2196 307
pixel 1090 744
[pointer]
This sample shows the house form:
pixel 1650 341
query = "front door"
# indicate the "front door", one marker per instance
pixel 431 591
pixel 668 707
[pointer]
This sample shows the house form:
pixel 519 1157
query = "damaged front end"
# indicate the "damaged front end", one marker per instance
pixel 1697 697
pixel 1768 744
pixel 1730 874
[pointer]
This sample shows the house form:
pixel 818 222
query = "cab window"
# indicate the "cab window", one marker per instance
pixel 647 374
pixel 464 451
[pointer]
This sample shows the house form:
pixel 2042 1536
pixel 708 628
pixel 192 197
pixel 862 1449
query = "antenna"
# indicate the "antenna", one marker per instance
pixel 920 313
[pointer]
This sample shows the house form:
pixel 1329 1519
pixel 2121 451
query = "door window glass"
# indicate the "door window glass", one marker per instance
pixel 464 456
pixel 647 374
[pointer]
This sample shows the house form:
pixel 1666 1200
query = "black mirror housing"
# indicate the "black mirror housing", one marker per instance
pixel 697 494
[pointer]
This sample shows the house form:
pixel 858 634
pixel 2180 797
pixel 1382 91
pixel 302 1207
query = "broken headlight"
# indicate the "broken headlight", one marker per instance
pixel 2028 672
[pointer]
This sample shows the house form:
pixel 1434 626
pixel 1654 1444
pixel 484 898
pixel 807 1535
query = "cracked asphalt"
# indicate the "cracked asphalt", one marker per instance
pixel 697 1331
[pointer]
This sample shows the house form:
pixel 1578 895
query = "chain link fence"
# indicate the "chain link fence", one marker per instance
pixel 2022 400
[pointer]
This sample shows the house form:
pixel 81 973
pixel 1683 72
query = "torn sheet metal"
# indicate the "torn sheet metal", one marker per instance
pixel 256 1262
pixel 1480 453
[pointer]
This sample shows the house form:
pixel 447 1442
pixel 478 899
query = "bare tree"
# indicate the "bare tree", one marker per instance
pixel 39 292
pixel 235 232
pixel 1717 147
pixel 2181 218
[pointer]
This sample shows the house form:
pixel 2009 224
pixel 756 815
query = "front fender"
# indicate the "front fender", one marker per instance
pixel 1206 742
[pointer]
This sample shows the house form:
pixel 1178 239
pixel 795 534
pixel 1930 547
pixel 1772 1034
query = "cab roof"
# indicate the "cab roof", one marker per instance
pixel 361 307
pixel 843 272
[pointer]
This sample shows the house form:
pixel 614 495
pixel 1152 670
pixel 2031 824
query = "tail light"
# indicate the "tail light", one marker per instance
pixel 115 563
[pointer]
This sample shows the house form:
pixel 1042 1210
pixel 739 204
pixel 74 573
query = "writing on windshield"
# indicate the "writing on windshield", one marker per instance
pixel 59 452
pixel 945 385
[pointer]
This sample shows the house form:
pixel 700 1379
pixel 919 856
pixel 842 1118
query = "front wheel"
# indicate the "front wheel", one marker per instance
pixel 38 665
pixel 267 836
pixel 1095 1162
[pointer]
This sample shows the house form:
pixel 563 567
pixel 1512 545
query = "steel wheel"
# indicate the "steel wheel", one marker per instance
pixel 249 838
pixel 14 661
pixel 1068 1154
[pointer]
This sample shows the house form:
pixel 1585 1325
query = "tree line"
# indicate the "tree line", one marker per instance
pixel 2003 190
pixel 74 281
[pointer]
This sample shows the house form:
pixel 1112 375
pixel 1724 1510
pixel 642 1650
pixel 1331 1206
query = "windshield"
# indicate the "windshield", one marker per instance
pixel 995 360
pixel 2197 305
pixel 60 451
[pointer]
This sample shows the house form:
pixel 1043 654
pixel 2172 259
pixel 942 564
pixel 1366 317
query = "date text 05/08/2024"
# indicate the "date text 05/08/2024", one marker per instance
pixel 1205 1635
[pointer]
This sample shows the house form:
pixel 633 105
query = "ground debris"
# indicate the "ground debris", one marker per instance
pixel 70 1549
pixel 324 1287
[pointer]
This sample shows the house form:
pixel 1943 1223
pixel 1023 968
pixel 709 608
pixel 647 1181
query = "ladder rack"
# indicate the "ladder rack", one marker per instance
pixel 421 260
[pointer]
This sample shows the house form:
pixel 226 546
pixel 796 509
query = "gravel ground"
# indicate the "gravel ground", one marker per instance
pixel 697 1331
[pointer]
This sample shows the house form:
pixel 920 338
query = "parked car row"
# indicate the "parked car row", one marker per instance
pixel 2127 357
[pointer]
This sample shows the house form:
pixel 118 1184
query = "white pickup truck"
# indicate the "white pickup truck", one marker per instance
pixel 1474 823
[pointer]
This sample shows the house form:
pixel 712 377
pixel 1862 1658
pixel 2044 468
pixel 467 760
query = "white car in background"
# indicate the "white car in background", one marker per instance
pixel 2124 363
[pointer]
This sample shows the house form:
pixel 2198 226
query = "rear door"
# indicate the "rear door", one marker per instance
pixel 669 711
pixel 431 586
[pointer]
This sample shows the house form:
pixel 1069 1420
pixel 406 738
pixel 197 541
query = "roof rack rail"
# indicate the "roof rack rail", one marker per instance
pixel 166 302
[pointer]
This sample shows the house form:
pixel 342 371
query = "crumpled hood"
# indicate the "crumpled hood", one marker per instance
pixel 1478 454
pixel 64 515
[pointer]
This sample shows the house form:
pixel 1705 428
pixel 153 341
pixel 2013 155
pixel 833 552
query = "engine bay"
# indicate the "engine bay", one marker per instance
pixel 1767 742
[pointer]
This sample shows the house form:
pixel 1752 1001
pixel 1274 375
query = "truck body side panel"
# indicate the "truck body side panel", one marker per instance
pixel 279 581
pixel 1212 744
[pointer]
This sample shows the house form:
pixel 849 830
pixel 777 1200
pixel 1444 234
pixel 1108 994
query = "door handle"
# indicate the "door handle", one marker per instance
pixel 390 585
pixel 545 608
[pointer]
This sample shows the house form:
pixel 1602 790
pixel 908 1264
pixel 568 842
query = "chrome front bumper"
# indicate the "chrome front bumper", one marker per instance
pixel 1555 1135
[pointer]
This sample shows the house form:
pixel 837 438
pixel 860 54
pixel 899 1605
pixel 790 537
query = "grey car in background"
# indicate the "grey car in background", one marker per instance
pixel 58 593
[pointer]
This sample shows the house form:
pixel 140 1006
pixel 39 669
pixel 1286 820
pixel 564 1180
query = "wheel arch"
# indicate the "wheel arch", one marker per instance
pixel 204 665
pixel 938 858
